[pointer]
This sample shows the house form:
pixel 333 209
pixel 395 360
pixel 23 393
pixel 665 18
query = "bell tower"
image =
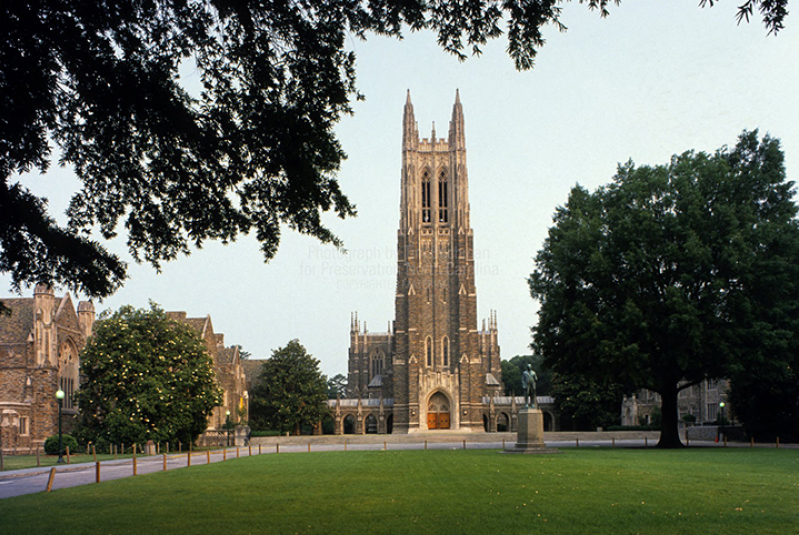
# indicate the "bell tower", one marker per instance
pixel 442 366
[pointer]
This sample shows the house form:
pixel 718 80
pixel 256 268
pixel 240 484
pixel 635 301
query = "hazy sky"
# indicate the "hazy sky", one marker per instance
pixel 654 79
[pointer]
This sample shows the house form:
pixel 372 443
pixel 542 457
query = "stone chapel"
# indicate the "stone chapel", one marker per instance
pixel 434 370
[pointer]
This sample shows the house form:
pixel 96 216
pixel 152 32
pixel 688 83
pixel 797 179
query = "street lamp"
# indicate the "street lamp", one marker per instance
pixel 60 397
pixel 227 424
pixel 721 422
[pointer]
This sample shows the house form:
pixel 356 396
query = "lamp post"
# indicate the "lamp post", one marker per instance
pixel 227 424
pixel 721 422
pixel 60 397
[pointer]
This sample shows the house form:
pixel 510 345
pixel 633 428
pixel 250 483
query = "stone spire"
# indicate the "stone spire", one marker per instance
pixel 457 136
pixel 410 134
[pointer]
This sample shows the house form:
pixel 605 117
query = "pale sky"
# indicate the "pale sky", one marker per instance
pixel 655 78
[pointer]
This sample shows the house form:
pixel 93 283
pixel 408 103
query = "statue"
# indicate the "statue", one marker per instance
pixel 529 378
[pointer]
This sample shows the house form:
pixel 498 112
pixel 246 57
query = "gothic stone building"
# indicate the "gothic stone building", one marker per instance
pixel 40 344
pixel 229 375
pixel 434 370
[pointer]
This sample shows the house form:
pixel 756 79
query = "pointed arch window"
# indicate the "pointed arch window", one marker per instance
pixel 443 196
pixel 428 349
pixel 426 201
pixel 445 351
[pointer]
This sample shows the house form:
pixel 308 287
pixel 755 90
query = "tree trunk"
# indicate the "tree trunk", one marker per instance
pixel 669 420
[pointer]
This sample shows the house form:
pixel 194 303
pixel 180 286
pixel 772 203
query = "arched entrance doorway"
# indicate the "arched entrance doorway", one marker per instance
pixel 438 411
pixel 371 425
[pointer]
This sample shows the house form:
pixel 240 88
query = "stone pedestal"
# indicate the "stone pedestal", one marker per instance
pixel 530 438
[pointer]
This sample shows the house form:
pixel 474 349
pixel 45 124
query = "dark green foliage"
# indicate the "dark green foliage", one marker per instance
pixel 291 391
pixel 253 149
pixel 145 377
pixel 67 441
pixel 584 403
pixel 674 274
pixel 337 387
pixel 512 374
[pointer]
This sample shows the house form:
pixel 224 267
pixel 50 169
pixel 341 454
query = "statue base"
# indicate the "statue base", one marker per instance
pixel 530 438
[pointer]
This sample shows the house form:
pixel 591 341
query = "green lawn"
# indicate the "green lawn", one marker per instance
pixel 581 491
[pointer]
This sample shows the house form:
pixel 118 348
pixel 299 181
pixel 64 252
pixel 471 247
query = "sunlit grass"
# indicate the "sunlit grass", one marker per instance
pixel 478 491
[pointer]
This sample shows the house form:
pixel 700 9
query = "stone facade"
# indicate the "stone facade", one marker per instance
pixel 701 400
pixel 40 344
pixel 433 369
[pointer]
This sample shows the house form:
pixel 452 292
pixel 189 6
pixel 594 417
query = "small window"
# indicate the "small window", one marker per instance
pixel 23 426
pixel 429 350
pixel 445 351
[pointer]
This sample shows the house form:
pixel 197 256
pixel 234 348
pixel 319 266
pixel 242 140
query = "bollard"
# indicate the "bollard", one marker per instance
pixel 97 472
pixel 725 441
pixel 188 459
pixel 208 456
pixel 50 479
pixel 277 448
pixel 237 450
pixel 612 442
pixel 752 442
pixel 778 443
pixel 464 444
pixel 385 446
pixel 69 460
pixel 577 442
pixel 224 454
pixel 123 449
pixel 94 452
pixel 259 449
pixel 249 452
pixel 425 445
pixel 309 447
pixel 37 456
pixel 165 462
pixel 135 465
pixel 646 442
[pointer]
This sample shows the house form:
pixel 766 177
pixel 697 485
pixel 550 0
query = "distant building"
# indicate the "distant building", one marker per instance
pixel 702 401
pixel 433 370
pixel 228 371
pixel 40 344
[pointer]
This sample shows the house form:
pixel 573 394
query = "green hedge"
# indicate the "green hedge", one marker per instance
pixel 68 441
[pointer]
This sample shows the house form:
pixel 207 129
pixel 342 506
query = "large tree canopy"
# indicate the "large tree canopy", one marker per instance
pixel 145 377
pixel 291 391
pixel 251 150
pixel 658 280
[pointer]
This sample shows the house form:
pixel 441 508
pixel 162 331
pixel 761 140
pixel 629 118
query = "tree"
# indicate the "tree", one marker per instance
pixel 512 374
pixel 337 387
pixel 658 280
pixel 585 403
pixel 291 391
pixel 145 377
pixel 251 150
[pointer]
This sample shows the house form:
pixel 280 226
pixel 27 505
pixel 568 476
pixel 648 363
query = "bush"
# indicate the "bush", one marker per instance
pixel 68 441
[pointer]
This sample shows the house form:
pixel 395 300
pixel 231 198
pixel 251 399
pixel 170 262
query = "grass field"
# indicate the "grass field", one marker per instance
pixel 581 491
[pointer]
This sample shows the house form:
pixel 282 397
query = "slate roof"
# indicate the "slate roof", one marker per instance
pixel 16 328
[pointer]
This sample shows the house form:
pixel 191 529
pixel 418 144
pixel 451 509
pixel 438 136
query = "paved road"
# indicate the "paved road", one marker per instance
pixel 19 482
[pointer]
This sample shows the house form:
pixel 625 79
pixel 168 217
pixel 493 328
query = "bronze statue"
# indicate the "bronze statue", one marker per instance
pixel 529 378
